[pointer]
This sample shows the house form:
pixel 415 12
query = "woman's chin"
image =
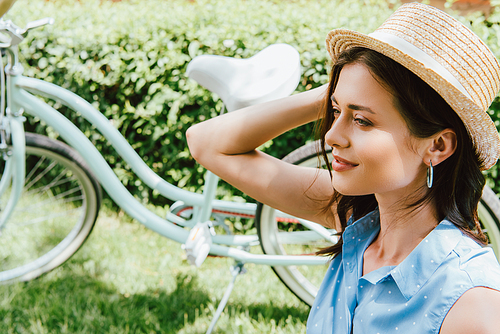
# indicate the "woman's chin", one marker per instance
pixel 350 191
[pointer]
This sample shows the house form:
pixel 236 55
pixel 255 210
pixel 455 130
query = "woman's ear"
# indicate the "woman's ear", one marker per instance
pixel 440 147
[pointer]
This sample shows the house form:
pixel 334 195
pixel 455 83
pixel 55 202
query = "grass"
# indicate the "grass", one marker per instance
pixel 127 279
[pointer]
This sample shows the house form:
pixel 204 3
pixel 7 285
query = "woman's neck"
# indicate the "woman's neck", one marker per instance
pixel 401 230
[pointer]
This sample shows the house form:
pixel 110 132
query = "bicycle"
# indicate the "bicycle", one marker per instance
pixel 64 179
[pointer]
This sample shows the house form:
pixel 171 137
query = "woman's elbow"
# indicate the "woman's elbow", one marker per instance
pixel 194 142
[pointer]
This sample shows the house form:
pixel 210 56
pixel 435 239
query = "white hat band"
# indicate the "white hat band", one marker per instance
pixel 416 53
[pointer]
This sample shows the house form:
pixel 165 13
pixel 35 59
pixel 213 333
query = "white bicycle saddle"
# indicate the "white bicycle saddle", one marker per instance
pixel 270 74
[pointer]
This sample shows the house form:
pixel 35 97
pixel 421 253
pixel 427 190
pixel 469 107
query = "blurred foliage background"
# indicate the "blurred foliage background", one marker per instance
pixel 128 58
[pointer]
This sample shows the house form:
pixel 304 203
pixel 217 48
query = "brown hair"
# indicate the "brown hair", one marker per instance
pixel 458 181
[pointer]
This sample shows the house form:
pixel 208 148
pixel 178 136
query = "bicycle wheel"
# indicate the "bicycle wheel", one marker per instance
pixel 489 216
pixel 304 281
pixel 55 214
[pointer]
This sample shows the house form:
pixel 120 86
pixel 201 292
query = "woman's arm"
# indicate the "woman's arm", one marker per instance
pixel 227 146
pixel 476 312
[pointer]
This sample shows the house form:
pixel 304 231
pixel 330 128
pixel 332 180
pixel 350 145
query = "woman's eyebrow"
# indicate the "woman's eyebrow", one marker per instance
pixel 354 106
pixel 358 107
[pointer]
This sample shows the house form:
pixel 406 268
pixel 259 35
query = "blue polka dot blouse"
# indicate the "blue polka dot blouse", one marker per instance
pixel 412 297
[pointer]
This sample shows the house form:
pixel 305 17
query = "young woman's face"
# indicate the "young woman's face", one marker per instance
pixel 373 150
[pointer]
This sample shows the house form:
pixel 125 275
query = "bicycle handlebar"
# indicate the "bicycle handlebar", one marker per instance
pixel 17 34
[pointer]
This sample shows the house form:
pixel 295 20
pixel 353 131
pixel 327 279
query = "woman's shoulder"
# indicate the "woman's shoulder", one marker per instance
pixel 479 263
pixel 477 303
pixel 476 311
pixel 466 267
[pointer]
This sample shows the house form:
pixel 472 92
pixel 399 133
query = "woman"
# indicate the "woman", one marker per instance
pixel 405 115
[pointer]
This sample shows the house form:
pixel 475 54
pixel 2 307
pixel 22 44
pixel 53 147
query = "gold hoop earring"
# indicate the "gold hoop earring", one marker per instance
pixel 430 175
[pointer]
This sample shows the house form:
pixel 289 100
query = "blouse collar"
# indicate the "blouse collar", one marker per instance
pixel 414 271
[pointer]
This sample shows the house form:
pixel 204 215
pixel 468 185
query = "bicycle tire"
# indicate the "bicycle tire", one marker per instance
pixel 296 279
pixel 56 213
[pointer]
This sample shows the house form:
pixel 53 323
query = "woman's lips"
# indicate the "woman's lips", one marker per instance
pixel 341 165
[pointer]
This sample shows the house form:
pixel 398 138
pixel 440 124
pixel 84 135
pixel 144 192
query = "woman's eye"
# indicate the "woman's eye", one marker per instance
pixel 362 122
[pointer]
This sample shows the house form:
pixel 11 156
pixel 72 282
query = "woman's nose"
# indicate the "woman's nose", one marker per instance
pixel 338 133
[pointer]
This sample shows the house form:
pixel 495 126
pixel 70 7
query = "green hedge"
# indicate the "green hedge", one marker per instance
pixel 128 58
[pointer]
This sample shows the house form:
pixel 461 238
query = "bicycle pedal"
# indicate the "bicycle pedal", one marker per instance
pixel 198 243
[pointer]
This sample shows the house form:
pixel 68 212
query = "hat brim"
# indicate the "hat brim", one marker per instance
pixel 481 128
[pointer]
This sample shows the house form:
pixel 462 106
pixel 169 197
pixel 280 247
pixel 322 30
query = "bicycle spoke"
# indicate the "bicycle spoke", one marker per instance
pixel 40 176
pixel 35 168
pixel 47 187
pixel 48 217
pixel 54 203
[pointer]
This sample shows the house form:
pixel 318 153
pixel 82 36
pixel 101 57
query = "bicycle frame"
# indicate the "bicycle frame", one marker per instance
pixel 19 89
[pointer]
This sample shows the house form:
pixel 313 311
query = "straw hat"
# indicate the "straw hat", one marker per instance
pixel 448 56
